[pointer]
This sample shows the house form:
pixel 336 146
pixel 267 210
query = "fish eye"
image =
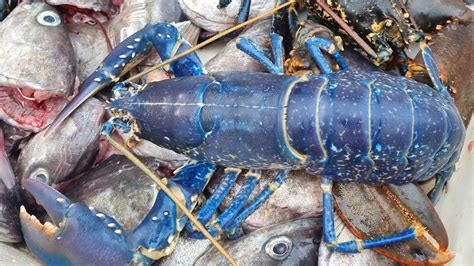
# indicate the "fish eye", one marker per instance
pixel 40 175
pixel 48 18
pixel 279 247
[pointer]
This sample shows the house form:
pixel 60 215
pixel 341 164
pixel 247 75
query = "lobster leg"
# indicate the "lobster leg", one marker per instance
pixel 249 47
pixel 167 41
pixel 441 181
pixel 205 213
pixel 233 230
pixel 314 46
pixel 158 234
pixel 216 226
pixel 430 64
pixel 356 245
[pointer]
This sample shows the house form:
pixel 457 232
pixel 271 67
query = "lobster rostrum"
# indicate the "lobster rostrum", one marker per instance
pixel 349 125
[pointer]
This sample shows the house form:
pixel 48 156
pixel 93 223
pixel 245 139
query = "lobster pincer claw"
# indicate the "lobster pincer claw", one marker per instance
pixel 166 40
pixel 78 235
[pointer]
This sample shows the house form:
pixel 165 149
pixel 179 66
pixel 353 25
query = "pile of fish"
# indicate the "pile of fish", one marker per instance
pixel 68 197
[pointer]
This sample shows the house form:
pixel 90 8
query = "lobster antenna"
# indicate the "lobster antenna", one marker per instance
pixel 347 29
pixel 212 39
pixel 135 160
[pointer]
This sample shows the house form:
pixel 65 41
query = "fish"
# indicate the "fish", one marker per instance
pixel 230 58
pixel 38 68
pixel 208 16
pixel 298 197
pixel 9 199
pixel 67 151
pixel 119 188
pixel 294 242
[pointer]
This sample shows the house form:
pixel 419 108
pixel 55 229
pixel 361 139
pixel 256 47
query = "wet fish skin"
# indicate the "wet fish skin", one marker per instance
pixel 65 152
pixel 294 242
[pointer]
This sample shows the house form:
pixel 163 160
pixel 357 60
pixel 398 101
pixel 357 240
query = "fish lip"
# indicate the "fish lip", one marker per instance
pixel 32 114
pixel 12 82
pixel 49 229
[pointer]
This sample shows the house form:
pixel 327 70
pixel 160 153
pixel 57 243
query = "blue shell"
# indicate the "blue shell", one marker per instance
pixel 366 127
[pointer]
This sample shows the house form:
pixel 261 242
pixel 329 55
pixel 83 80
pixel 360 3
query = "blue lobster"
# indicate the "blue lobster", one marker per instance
pixel 347 126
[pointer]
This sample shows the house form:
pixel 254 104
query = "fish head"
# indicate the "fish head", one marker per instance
pixel 38 67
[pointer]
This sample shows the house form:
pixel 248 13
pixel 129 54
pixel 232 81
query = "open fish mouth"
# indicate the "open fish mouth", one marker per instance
pixel 29 109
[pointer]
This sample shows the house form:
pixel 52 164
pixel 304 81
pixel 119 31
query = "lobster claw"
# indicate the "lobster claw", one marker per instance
pixel 78 234
pixel 166 40
pixel 373 211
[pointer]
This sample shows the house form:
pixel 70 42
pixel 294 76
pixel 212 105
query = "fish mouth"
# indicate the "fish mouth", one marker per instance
pixel 29 109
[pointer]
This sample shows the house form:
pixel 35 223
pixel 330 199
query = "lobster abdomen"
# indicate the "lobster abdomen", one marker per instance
pixel 350 126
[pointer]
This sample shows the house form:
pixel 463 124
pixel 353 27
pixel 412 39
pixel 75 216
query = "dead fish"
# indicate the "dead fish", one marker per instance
pixel 67 151
pixel 119 188
pixel 16 255
pixel 9 199
pixel 299 196
pixel 291 243
pixel 452 49
pixel 37 72
pixel 328 257
pixel 87 11
pixel 90 47
pixel 230 58
pixel 208 16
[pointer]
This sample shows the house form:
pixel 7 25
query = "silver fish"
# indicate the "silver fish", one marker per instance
pixel 230 58
pixel 65 152
pixel 291 243
pixel 38 68
pixel 208 16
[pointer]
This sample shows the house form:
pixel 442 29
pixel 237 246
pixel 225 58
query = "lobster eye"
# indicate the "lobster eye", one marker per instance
pixel 48 18
pixel 279 247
